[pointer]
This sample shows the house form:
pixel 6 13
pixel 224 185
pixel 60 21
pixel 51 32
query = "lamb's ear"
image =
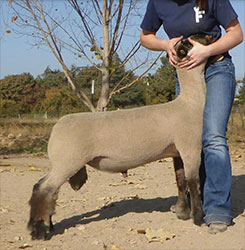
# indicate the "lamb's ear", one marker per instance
pixel 210 39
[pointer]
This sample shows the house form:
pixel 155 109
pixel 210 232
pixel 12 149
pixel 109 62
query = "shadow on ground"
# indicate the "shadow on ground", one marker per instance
pixel 237 195
pixel 120 208
pixel 114 210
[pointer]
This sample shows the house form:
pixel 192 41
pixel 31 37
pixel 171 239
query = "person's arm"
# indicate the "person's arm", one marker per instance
pixel 199 53
pixel 231 39
pixel 151 42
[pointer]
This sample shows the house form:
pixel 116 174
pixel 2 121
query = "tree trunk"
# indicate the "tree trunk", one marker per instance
pixel 105 91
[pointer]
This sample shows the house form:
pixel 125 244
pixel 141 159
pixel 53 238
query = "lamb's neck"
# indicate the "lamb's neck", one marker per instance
pixel 192 84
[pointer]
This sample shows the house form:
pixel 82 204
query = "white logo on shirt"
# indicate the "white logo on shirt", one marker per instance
pixel 198 13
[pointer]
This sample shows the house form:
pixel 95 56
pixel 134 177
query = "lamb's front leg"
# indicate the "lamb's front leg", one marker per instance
pixel 192 165
pixel 196 204
pixel 181 208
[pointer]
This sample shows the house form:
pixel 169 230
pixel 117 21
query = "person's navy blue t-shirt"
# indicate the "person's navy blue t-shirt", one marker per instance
pixel 180 17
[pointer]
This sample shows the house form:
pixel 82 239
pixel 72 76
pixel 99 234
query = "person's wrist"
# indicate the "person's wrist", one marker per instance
pixel 209 51
pixel 164 45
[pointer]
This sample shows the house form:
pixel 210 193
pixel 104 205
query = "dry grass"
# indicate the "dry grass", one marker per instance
pixel 236 128
pixel 31 135
pixel 24 135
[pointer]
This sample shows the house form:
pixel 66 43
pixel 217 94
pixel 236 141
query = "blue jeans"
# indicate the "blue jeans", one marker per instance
pixel 220 85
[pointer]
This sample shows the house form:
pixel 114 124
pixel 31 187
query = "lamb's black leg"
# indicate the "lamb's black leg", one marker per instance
pixel 196 204
pixel 42 204
pixel 181 208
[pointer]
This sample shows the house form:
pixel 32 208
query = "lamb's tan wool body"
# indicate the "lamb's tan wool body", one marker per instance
pixel 119 140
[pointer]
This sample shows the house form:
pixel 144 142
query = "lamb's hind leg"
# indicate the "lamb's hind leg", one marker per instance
pixel 42 204
pixel 44 197
pixel 181 208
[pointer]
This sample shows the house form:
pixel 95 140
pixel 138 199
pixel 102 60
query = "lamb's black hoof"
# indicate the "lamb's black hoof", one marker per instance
pixel 38 230
pixel 183 213
pixel 198 218
pixel 51 227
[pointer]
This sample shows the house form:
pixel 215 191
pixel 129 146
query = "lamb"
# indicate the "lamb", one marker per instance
pixel 120 140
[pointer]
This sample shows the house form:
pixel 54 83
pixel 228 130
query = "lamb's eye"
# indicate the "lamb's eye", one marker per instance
pixel 182 52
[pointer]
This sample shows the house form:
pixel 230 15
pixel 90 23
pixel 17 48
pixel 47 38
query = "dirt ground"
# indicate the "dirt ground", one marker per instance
pixel 111 212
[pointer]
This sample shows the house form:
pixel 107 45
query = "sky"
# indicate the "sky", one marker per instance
pixel 17 56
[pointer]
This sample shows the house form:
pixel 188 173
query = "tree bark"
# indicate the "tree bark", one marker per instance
pixel 105 91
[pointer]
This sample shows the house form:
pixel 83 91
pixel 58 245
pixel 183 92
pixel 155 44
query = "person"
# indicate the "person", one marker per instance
pixel 180 19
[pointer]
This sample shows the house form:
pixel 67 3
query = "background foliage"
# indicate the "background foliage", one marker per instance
pixel 50 92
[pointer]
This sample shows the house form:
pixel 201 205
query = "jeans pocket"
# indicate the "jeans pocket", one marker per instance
pixel 224 67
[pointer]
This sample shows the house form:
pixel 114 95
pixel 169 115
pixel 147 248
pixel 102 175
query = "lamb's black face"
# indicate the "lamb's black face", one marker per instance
pixel 184 46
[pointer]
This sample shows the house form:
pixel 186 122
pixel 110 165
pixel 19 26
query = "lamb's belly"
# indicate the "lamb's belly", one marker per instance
pixel 120 165
pixel 123 162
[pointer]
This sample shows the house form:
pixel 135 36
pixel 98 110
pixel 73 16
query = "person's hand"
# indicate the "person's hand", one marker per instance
pixel 171 51
pixel 198 54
